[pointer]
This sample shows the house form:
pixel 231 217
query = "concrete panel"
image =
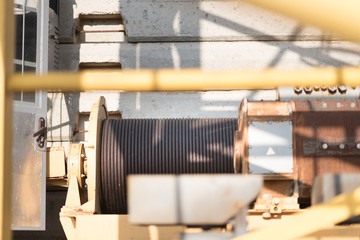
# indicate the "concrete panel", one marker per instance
pixel 213 55
pixel 98 6
pixel 63 108
pixel 208 20
pixel 185 20
pixel 223 104
pixel 71 9
pixel 205 55
pixel 67 21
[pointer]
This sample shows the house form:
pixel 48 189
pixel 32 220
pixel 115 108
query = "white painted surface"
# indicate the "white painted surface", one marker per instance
pixel 183 20
pixel 270 147
pixel 223 104
pixel 163 20
pixel 213 55
pixel 186 199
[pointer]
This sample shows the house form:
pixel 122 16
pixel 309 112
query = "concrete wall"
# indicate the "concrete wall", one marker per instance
pixel 207 34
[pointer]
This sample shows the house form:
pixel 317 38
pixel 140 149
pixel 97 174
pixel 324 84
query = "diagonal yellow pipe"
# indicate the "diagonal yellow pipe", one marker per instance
pixel 320 216
pixel 337 16
pixel 184 80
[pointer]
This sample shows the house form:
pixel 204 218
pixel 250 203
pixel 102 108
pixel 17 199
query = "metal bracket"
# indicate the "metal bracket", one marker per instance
pixel 40 134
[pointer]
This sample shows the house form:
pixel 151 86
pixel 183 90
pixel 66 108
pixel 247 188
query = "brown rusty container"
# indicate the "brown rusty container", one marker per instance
pixel 325 139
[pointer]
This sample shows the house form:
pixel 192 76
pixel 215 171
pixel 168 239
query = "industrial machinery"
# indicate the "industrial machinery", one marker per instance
pixel 118 148
pixel 291 143
pixel 285 143
pixel 269 168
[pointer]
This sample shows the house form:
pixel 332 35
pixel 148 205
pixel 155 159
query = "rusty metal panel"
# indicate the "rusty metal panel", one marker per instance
pixel 278 188
pixel 331 148
pixel 269 109
pixel 326 106
pixel 326 139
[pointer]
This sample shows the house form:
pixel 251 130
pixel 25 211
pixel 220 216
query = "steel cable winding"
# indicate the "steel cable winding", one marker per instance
pixel 160 146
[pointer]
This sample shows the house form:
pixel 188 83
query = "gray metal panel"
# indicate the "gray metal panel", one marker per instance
pixel 270 147
pixel 187 198
pixel 29 161
pixel 27 174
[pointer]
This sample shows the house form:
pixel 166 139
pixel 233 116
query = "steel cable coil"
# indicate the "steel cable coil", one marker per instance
pixel 161 146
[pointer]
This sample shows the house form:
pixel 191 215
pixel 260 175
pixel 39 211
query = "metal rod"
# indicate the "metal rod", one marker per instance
pixel 340 17
pixel 184 80
pixel 7 33
pixel 315 218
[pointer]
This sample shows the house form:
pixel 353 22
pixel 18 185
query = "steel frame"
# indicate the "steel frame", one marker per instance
pixel 318 12
pixel 184 80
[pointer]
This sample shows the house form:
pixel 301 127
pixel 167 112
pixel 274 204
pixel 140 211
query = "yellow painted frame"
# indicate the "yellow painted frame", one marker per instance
pixel 318 12
pixel 6 70
pixel 318 217
pixel 184 80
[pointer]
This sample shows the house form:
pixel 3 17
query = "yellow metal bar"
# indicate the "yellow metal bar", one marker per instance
pixel 316 218
pixel 340 17
pixel 6 67
pixel 184 80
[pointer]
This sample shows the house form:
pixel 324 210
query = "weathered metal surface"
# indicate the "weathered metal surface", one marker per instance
pixel 240 143
pixel 278 188
pixel 27 174
pixel 338 148
pixel 328 186
pixel 270 147
pixel 97 115
pixel 55 162
pixel 273 110
pixel 75 163
pixel 161 146
pixel 318 93
pixel 264 113
pixel 326 106
pixel 325 134
pixel 190 199
pixel 326 137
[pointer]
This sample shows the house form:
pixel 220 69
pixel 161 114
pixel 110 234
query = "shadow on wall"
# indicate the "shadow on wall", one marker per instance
pixel 193 34
pixel 220 104
pixel 161 21
pixel 221 35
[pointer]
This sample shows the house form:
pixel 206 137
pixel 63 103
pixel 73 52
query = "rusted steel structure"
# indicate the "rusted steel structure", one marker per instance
pixel 314 137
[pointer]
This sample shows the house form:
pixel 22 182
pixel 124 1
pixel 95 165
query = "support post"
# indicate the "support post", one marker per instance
pixel 7 32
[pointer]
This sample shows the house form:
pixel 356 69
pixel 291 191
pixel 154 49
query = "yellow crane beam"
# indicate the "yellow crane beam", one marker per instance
pixel 184 80
pixel 341 17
